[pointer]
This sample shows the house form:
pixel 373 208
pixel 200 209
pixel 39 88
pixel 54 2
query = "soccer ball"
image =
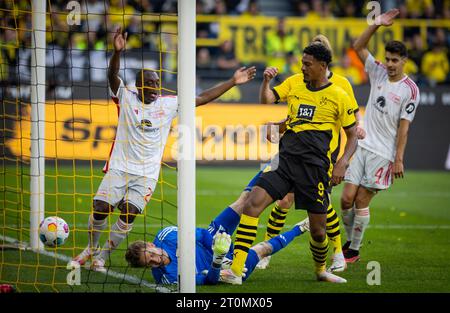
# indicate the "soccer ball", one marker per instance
pixel 53 231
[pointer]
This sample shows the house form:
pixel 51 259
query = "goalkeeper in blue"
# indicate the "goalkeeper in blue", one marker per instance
pixel 213 247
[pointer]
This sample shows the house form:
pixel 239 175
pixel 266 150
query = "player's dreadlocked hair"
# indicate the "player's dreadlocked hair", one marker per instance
pixel 319 52
pixel 134 251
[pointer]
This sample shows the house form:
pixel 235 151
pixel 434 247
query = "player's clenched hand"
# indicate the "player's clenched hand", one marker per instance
pixel 119 40
pixel 398 170
pixel 270 73
pixel 338 173
pixel 272 132
pixel 221 243
pixel 243 75
pixel 360 132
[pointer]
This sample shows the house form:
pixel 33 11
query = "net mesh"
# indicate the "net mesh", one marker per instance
pixel 80 127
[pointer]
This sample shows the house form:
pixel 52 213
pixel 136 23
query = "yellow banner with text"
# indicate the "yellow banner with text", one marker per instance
pixel 86 131
pixel 249 34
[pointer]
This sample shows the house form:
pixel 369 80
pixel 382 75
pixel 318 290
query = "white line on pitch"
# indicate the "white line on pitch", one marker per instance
pixel 128 278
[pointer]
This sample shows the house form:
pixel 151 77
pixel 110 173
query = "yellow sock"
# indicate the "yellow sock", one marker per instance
pixel 245 236
pixel 276 222
pixel 333 230
pixel 319 251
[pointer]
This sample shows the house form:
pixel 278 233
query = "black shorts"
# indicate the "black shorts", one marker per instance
pixel 329 189
pixel 309 183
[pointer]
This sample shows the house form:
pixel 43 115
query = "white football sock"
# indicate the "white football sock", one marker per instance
pixel 95 228
pixel 119 232
pixel 348 217
pixel 362 218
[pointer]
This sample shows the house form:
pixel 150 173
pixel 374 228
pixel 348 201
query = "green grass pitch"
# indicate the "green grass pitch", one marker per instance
pixel 409 234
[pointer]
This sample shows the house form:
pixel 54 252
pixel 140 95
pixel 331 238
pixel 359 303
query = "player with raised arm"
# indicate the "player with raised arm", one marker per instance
pixel 133 167
pixel 277 217
pixel 213 247
pixel 316 111
pixel 390 109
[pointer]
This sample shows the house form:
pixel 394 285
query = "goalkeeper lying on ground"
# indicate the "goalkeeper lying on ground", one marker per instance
pixel 213 247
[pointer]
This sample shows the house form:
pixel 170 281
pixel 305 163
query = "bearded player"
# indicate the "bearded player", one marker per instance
pixel 390 109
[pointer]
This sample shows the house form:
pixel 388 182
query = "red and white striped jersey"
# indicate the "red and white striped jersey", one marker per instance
pixel 388 103
pixel 142 132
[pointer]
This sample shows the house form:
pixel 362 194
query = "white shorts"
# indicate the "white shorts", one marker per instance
pixel 369 170
pixel 117 185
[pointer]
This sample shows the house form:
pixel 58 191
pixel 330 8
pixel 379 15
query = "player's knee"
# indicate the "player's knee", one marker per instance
pixel 286 202
pixel 346 201
pixel 239 204
pixel 318 233
pixel 363 198
pixel 128 212
pixel 253 206
pixel 101 209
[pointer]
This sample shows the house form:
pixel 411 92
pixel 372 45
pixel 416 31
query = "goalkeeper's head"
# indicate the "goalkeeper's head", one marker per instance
pixel 146 254
pixel 147 84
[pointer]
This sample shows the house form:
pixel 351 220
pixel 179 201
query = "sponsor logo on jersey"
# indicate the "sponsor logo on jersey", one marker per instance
pixel 394 98
pixel 306 112
pixel 157 114
pixel 381 102
pixel 146 123
pixel 147 126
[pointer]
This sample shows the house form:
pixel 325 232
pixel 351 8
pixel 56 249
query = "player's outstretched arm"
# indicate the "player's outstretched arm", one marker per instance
pixel 114 64
pixel 241 76
pixel 385 19
pixel 350 147
pixel 266 95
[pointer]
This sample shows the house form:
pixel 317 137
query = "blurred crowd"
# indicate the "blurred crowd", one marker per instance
pixel 429 9
pixel 428 63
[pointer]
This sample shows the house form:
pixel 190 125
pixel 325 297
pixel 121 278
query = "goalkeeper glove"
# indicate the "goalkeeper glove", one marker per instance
pixel 220 247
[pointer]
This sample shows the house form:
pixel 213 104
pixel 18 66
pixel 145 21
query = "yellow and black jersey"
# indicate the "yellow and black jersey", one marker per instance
pixel 282 91
pixel 315 117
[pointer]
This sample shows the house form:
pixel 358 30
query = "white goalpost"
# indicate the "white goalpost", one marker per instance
pixel 186 146
pixel 37 166
pixel 186 162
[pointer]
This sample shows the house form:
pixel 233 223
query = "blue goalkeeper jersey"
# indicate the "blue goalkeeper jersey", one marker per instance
pixel 167 239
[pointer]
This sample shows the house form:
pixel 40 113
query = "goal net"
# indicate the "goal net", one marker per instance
pixel 77 126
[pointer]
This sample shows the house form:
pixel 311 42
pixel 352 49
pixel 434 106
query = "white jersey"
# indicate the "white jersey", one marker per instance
pixel 142 133
pixel 388 103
